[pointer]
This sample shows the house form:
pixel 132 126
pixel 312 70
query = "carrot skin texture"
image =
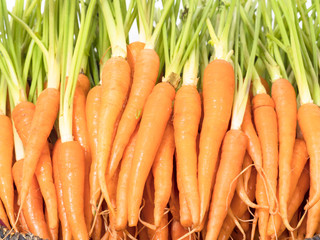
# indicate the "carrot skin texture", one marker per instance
pixel 308 116
pixel 84 83
pixel 123 184
pixel 299 159
pixel 22 116
pixel 187 113
pixel 115 86
pixel 42 123
pixel 232 154
pixel 92 115
pixel 71 168
pixel 162 173
pixel 238 208
pixel 265 120
pixel 298 196
pixel 218 90
pixel 81 135
pixel 33 207
pixel 6 179
pixel 152 127
pixel 65 226
pixel 284 98
pixel 144 79
pixel 3 216
pixel 177 230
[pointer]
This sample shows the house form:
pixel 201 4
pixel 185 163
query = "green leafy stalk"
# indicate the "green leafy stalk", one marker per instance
pixel 3 95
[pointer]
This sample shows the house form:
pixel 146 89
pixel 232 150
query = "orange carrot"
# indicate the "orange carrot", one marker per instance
pixel 71 169
pixel 33 207
pixel 123 184
pixel 144 79
pixel 174 201
pixel 187 113
pixel 92 115
pixel 115 85
pixel 152 127
pixel 65 226
pixel 218 90
pixel 133 51
pixel 22 116
pixel 238 208
pixel 178 231
pixel 83 82
pixel 285 102
pixel 22 224
pixel 6 180
pixel 308 116
pixel 313 218
pixel 3 216
pixel 81 135
pixel 162 173
pixel 298 196
pixel 300 157
pixel 265 119
pixel 42 122
pixel 97 231
pixel 232 154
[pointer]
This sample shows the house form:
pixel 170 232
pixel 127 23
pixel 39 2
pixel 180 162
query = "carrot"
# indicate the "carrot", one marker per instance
pixel 42 122
pixel 84 83
pixel 6 180
pixel 300 157
pixel 218 89
pixel 246 175
pixel 187 113
pixel 313 218
pixel 3 216
pixel 133 51
pixel 97 232
pixel 232 154
pixel 92 115
pixel 152 127
pixel 185 214
pixel 123 184
pixel 297 197
pixel 22 116
pixel 160 232
pixel 238 207
pixel 302 230
pixel 22 224
pixel 115 85
pixel 178 231
pixel 284 98
pixel 33 208
pixel 144 79
pixel 71 169
pixel 162 173
pixel 308 115
pixel 174 201
pixel 65 226
pixel 81 135
pixel 241 189
pixel 265 120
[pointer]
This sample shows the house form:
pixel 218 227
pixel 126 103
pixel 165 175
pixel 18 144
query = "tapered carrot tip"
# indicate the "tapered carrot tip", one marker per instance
pixel 309 118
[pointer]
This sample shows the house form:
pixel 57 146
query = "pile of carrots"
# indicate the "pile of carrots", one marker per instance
pixel 208 127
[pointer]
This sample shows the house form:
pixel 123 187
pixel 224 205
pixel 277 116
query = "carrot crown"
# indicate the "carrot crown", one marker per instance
pixel 112 14
pixel 292 45
pixel 181 46
pixel 220 41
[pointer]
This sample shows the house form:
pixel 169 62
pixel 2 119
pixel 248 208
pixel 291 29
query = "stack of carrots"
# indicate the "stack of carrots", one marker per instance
pixel 208 127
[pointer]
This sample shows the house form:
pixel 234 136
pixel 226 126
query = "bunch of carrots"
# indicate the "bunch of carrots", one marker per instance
pixel 208 127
